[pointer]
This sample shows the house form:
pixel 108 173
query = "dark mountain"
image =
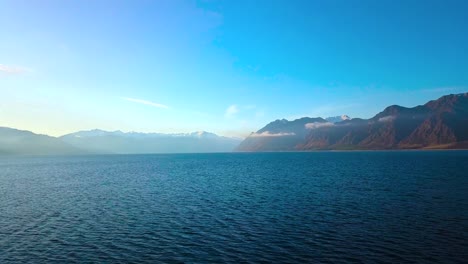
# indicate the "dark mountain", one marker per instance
pixel 441 123
pixel 19 142
pixel 117 142
pixel 280 135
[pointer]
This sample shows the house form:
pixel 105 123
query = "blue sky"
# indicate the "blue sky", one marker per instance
pixel 227 67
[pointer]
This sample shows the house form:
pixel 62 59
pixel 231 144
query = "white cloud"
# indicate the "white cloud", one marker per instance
pixel 387 118
pixel 231 110
pixel 12 69
pixel 268 134
pixel 145 102
pixel 318 125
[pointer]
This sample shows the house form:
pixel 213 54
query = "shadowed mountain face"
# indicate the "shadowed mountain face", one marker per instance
pixel 117 142
pixel 441 123
pixel 280 135
pixel 19 142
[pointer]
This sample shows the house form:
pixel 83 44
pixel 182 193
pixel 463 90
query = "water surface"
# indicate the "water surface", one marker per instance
pixel 340 207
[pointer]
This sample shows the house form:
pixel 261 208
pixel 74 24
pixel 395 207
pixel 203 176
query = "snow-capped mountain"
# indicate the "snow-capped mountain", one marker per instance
pixel 100 141
pixel 336 119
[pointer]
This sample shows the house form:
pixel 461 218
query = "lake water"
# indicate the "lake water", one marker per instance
pixel 339 207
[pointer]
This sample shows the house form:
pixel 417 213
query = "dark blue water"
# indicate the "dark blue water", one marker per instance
pixel 388 207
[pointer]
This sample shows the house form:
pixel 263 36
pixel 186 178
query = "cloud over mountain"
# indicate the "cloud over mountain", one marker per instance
pixel 441 123
pixel 268 134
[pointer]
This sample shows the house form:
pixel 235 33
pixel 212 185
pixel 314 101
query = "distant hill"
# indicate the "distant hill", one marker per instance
pixel 117 142
pixel 20 142
pixel 439 124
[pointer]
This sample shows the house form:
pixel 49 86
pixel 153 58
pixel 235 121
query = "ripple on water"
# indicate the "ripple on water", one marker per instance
pixel 340 207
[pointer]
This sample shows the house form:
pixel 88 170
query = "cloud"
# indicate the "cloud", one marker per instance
pixel 231 111
pixel 12 69
pixel 268 134
pixel 145 102
pixel 387 118
pixel 318 125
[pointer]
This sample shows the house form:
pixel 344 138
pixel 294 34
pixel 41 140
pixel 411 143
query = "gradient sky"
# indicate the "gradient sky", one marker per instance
pixel 227 67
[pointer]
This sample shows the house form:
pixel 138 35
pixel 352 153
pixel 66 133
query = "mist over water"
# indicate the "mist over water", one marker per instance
pixel 341 207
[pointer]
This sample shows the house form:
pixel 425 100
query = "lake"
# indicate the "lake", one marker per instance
pixel 338 207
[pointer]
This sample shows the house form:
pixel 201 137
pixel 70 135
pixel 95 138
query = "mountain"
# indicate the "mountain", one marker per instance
pixel 438 124
pixel 336 119
pixel 280 135
pixel 118 142
pixel 20 142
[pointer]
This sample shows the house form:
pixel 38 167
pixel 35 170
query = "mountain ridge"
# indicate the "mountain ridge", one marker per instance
pixel 118 142
pixel 96 141
pixel 441 123
pixel 438 124
pixel 22 142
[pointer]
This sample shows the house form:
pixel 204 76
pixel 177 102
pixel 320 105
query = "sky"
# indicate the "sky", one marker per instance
pixel 228 67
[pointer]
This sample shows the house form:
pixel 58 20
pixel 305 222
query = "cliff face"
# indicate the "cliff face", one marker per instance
pixel 441 123
pixel 445 126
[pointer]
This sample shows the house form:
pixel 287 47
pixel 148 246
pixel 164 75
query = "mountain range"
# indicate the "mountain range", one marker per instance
pixel 438 124
pixel 117 142
pixel 19 142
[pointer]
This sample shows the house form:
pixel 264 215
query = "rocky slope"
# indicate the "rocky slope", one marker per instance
pixel 280 135
pixel 441 123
